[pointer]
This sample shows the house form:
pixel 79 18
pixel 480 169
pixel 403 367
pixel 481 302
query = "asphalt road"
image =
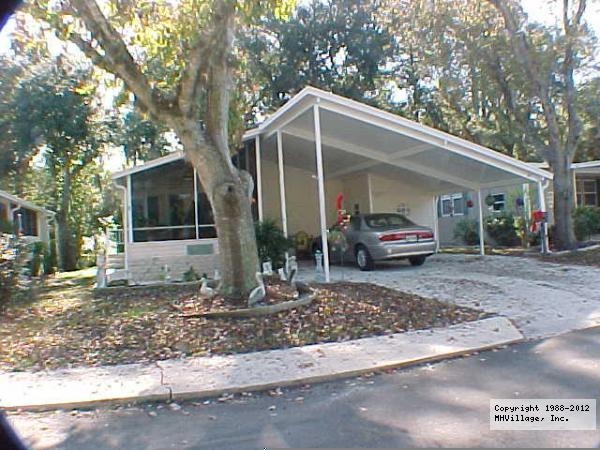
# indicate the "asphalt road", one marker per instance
pixel 438 405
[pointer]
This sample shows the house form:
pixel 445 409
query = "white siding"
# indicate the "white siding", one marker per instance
pixel 301 198
pixel 146 260
pixel 390 194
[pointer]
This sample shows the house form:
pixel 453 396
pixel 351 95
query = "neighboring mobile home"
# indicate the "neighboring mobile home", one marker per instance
pixel 454 207
pixel 25 218
pixel 316 146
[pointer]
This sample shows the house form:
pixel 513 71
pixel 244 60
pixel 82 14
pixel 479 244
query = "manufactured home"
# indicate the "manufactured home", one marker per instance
pixel 301 158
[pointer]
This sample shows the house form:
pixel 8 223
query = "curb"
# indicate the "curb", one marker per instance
pixel 192 395
pixel 195 378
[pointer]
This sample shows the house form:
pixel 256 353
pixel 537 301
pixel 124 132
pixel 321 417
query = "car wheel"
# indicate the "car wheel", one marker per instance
pixel 363 258
pixel 417 260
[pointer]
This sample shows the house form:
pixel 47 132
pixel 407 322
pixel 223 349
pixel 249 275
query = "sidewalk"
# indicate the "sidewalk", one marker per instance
pixel 212 376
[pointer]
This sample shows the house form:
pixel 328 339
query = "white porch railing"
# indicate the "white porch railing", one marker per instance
pixel 115 242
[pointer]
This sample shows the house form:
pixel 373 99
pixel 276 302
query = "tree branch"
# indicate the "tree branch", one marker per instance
pixel 117 57
pixel 89 51
pixel 219 77
pixel 523 50
pixel 571 28
pixel 192 76
pixel 522 119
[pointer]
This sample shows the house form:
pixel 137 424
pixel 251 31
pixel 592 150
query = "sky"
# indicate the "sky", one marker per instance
pixel 547 12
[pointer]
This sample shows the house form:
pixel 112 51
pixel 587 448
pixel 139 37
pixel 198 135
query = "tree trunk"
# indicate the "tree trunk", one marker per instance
pixel 564 204
pixel 67 253
pixel 229 194
pixel 237 241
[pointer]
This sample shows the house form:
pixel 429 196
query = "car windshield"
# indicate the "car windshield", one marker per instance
pixel 381 221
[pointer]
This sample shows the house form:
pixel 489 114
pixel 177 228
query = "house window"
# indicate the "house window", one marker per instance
pixel 206 221
pixel 153 209
pixel 587 194
pixel 453 205
pixel 164 206
pixel 499 202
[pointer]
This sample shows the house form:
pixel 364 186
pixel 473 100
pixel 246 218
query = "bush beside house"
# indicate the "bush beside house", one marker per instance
pixel 271 243
pixel 587 222
pixel 467 231
pixel 12 260
pixel 502 229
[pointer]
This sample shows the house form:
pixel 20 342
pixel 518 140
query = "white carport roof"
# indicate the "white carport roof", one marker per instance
pixel 356 136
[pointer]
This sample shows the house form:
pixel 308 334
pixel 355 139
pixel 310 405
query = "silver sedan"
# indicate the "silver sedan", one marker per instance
pixel 382 236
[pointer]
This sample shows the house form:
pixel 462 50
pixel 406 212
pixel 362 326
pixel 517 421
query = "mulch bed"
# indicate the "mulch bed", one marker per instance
pixel 124 325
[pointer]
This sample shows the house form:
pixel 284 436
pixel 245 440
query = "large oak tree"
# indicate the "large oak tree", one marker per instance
pixel 561 126
pixel 177 58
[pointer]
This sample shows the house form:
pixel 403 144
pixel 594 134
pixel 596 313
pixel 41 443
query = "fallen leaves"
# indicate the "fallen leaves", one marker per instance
pixel 69 326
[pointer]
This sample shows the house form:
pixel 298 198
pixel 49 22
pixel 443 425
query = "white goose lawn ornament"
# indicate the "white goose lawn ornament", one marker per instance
pixel 205 289
pixel 291 277
pixel 259 293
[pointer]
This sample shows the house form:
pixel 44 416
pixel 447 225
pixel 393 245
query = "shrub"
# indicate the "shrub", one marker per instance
pixel 521 230
pixel 586 221
pixel 467 231
pixel 271 243
pixel 38 252
pixel 6 226
pixel 11 266
pixel 502 229
pixel 50 258
pixel 190 275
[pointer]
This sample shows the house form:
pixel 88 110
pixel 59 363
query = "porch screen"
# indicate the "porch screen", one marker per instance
pixel 168 205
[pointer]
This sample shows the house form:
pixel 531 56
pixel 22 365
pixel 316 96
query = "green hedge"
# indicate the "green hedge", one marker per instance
pixel 586 221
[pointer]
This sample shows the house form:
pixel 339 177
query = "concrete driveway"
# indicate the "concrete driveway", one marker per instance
pixel 542 299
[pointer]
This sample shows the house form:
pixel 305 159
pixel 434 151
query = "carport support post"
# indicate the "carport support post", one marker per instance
pixel 196 203
pixel 436 224
pixel 481 230
pixel 258 177
pixel 321 187
pixel 544 225
pixel 129 202
pixel 281 184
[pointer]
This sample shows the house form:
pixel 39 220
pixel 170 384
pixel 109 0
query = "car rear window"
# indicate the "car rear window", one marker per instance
pixel 381 221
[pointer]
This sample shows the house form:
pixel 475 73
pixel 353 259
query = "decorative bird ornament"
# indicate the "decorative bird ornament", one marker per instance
pixel 205 289
pixel 259 293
